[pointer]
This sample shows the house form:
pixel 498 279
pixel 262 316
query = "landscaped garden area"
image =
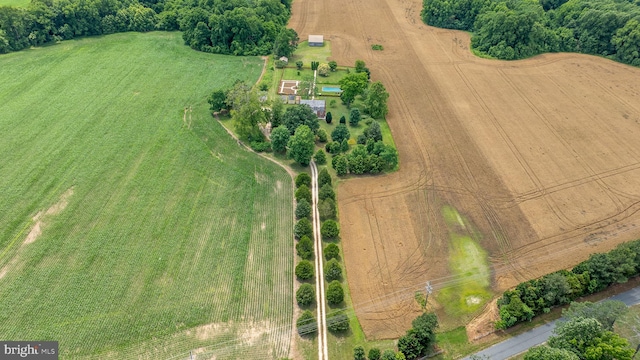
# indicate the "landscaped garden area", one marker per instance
pixel 343 129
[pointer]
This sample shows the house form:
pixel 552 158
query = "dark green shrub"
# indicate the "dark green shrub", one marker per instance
pixel 332 251
pixel 326 192
pixel 330 230
pixel 303 192
pixel 303 228
pixel 320 157
pixel 307 324
pixel 358 353
pixel 304 248
pixel 333 270
pixel 304 270
pixel 303 179
pixel 303 209
pixel 324 178
pixel 327 209
pixel 260 146
pixel 374 354
pixel 335 293
pixel 337 321
pixel 354 117
pixel 340 164
pixel 328 118
pixel 306 295
pixel 322 136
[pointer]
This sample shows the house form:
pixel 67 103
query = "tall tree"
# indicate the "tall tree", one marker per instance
pixel 586 338
pixel 606 312
pixel 301 145
pixel 298 115
pixel 277 111
pixel 217 100
pixel 354 117
pixel 340 133
pixel 286 42
pixel 353 85
pixel 373 131
pixel 280 138
pixel 376 101
pixel 247 117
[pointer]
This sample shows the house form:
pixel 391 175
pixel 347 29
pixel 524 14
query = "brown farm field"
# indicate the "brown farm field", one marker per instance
pixel 542 155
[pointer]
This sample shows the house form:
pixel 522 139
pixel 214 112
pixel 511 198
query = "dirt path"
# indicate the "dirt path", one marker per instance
pixel 540 154
pixel 264 68
pixel 323 351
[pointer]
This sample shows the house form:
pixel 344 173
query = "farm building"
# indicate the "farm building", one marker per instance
pixel 316 40
pixel 318 107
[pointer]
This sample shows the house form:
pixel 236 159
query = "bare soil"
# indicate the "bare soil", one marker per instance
pixel 541 154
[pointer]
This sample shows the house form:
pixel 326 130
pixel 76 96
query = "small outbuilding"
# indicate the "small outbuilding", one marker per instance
pixel 318 107
pixel 316 40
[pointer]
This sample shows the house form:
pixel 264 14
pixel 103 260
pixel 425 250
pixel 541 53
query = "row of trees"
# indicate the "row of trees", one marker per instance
pixel 518 29
pixel 240 27
pixel 536 296
pixel 306 294
pixel 372 158
pixel 337 321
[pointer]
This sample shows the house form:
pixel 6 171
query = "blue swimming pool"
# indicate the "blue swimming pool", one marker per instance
pixel 331 89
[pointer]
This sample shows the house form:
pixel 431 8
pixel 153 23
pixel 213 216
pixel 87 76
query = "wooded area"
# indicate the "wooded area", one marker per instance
pixel 515 29
pixel 238 27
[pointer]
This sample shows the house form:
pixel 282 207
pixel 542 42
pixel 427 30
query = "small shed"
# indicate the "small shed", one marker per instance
pixel 285 59
pixel 318 107
pixel 316 40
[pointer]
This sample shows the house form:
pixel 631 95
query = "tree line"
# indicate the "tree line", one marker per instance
pixel 238 27
pixel 516 29
pixel 537 296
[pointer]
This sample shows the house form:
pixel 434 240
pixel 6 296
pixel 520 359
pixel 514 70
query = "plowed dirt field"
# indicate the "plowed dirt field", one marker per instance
pixel 543 155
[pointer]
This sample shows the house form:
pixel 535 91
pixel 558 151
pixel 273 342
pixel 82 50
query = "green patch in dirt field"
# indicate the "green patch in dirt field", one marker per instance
pixel 469 289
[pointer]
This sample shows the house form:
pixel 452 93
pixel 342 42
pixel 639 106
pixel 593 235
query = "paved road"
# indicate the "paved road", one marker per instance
pixel 519 344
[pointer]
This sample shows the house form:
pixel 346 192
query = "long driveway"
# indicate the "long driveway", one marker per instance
pixel 323 352
pixel 521 343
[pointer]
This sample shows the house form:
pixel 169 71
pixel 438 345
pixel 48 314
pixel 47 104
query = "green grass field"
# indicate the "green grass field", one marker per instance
pixel 16 3
pixel 308 53
pixel 159 234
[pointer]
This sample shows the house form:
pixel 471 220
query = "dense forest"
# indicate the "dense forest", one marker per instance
pixel 515 29
pixel 238 27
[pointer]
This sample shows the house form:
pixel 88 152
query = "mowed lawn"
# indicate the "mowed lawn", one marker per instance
pixel 158 234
